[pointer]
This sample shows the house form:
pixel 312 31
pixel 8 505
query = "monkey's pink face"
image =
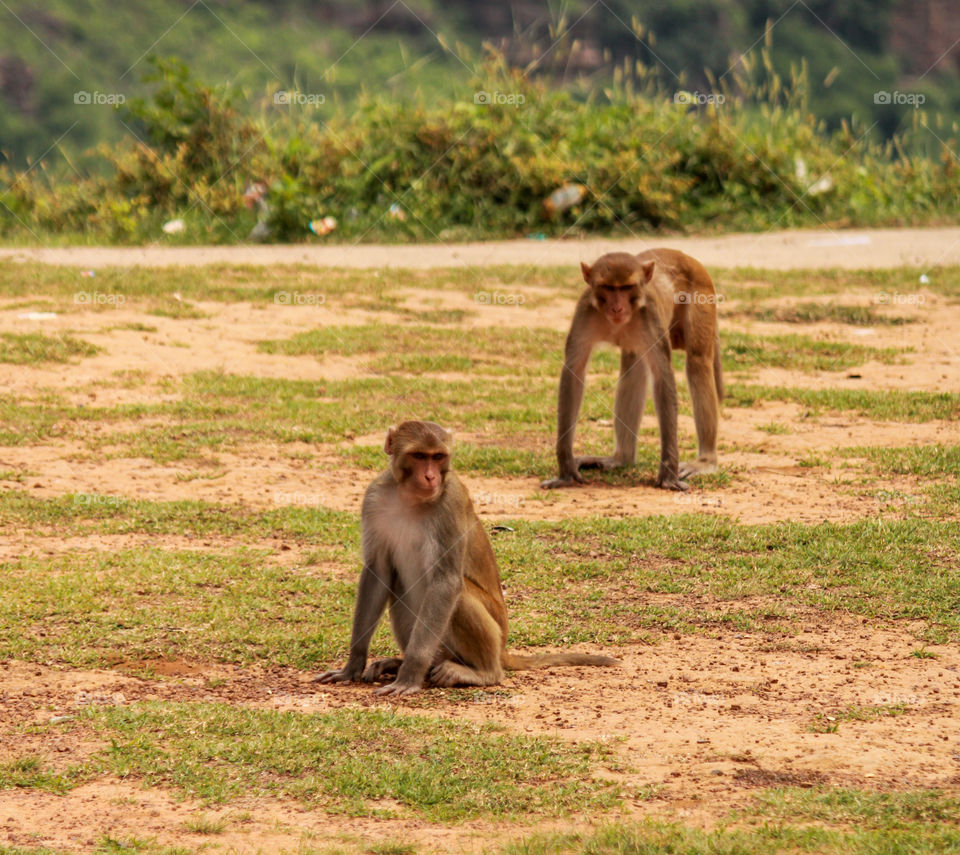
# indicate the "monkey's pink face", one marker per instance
pixel 424 473
pixel 617 301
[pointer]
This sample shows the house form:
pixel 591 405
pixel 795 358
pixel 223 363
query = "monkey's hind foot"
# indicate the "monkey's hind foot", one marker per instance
pixel 377 671
pixel 449 673
pixel 668 481
pixel 692 468
pixel 604 464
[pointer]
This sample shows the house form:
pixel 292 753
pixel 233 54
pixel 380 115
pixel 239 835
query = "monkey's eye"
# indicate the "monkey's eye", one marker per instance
pixel 439 457
pixel 418 455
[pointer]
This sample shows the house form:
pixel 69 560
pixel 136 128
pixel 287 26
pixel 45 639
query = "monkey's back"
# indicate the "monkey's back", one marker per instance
pixel 480 574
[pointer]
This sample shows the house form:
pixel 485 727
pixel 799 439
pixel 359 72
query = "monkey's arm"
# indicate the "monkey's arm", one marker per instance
pixel 572 383
pixel 433 619
pixel 372 594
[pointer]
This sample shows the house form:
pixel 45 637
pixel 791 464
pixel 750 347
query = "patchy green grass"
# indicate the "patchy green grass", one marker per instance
pixel 222 412
pixel 176 309
pixel 420 348
pixel 841 806
pixel 829 722
pixel 925 461
pixel 882 569
pixel 535 352
pixel 29 772
pixel 88 513
pixel 298 288
pixel 893 287
pixel 654 838
pixel 375 762
pixel 882 406
pixel 574 581
pixel 742 352
pixel 343 287
pixel 811 313
pixel 96 608
pixel 923 653
pixel 204 824
pixel 33 348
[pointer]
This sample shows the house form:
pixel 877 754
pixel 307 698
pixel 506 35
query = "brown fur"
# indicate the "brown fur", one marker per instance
pixel 645 305
pixel 428 557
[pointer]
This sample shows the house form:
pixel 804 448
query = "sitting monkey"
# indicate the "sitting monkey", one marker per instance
pixel 427 556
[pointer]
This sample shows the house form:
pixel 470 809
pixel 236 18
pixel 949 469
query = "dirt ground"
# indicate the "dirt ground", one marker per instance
pixel 700 723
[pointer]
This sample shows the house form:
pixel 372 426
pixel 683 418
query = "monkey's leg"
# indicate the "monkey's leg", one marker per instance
pixel 572 384
pixel 476 642
pixel 665 403
pixel 627 411
pixel 703 392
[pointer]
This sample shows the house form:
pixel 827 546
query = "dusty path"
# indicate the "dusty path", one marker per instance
pixel 783 250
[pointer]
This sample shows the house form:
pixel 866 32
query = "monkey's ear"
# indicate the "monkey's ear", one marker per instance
pixel 586 271
pixel 388 445
pixel 648 270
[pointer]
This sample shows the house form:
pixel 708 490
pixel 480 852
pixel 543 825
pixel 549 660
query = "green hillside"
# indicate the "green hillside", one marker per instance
pixel 50 52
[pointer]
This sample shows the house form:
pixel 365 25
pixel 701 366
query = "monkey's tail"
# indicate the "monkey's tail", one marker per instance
pixel 513 662
pixel 717 369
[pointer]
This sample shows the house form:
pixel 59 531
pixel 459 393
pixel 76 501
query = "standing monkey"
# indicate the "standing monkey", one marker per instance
pixel 644 304
pixel 427 557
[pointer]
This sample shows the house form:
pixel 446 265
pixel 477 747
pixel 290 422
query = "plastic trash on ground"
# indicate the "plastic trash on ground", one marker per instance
pixel 562 198
pixel 323 226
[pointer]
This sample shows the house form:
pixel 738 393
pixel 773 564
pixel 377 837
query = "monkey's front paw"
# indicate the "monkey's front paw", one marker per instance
pixel 567 479
pixel 344 675
pixel 398 689
pixel 671 482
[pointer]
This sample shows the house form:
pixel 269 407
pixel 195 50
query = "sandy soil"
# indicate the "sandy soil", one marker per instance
pixel 700 724
pixel 769 481
pixel 851 249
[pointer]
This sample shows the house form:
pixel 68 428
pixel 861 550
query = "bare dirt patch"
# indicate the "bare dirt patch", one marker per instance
pixel 699 722
pixel 771 479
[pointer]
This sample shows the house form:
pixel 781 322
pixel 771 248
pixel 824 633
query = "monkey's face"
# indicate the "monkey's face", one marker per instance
pixel 618 301
pixel 617 282
pixel 423 473
pixel 420 459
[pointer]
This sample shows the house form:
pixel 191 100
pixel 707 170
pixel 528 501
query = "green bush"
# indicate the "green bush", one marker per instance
pixel 459 169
